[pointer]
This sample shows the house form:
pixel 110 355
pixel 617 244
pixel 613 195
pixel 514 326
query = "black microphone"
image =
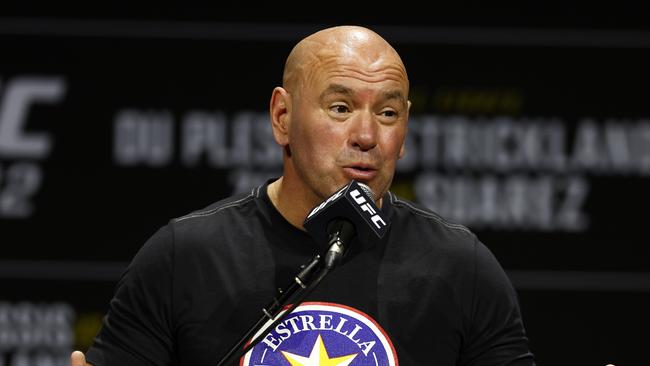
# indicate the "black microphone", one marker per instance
pixel 348 213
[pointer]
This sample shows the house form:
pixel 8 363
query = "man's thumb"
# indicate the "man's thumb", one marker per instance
pixel 77 358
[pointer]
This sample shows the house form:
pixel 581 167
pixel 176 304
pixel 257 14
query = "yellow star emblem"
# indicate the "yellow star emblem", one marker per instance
pixel 318 357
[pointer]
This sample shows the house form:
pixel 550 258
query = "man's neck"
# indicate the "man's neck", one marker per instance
pixel 290 209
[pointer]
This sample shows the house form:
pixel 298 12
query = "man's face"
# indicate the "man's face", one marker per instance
pixel 348 121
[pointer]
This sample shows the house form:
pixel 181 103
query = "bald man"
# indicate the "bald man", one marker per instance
pixel 428 293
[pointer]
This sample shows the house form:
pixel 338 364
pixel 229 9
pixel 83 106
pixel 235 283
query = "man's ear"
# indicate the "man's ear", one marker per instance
pixel 280 109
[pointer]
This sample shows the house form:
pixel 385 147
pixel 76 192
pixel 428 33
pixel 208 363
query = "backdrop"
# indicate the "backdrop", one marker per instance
pixel 536 136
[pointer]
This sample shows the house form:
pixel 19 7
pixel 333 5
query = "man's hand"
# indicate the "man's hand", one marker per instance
pixel 77 358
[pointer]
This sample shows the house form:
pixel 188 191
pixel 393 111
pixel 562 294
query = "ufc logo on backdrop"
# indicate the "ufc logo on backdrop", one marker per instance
pixel 17 96
pixel 20 175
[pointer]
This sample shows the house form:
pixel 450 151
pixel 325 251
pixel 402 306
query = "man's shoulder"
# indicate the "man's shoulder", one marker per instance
pixel 232 205
pixel 229 221
pixel 427 230
pixel 407 209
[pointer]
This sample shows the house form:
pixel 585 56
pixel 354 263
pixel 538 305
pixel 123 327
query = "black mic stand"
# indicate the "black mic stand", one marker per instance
pixel 303 284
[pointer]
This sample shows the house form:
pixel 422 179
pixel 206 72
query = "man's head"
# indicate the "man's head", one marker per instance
pixel 341 113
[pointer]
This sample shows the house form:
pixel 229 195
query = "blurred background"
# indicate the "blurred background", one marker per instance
pixel 530 125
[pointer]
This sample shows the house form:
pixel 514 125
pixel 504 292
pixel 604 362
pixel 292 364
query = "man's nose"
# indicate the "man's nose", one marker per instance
pixel 364 131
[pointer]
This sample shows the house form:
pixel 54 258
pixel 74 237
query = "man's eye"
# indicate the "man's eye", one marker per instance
pixel 389 113
pixel 340 109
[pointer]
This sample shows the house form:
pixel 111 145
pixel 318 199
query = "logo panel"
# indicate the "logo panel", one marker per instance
pixel 318 333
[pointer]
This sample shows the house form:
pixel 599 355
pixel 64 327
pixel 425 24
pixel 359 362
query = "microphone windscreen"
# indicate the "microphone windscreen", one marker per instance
pixel 367 191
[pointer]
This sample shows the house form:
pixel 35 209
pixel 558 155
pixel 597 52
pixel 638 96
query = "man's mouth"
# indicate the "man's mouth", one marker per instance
pixel 361 173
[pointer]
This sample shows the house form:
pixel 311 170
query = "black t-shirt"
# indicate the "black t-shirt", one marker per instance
pixel 428 293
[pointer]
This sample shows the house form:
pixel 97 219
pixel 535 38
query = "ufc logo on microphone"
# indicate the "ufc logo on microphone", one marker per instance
pixel 367 207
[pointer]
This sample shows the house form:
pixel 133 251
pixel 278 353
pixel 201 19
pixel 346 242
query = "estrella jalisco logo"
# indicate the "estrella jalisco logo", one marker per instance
pixel 319 333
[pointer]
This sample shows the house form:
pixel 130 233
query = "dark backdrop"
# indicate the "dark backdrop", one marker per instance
pixel 529 125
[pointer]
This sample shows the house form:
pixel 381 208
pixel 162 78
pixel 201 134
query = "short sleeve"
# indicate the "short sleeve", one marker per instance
pixel 138 328
pixel 496 334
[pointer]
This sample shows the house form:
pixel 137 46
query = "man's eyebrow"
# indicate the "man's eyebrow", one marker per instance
pixel 344 90
pixel 395 94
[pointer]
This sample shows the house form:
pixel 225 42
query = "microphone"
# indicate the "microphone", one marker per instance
pixel 348 213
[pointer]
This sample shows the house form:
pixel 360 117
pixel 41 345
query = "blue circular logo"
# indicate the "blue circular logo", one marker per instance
pixel 318 333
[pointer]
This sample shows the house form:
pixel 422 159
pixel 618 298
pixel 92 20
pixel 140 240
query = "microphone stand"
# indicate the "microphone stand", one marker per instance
pixel 303 284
